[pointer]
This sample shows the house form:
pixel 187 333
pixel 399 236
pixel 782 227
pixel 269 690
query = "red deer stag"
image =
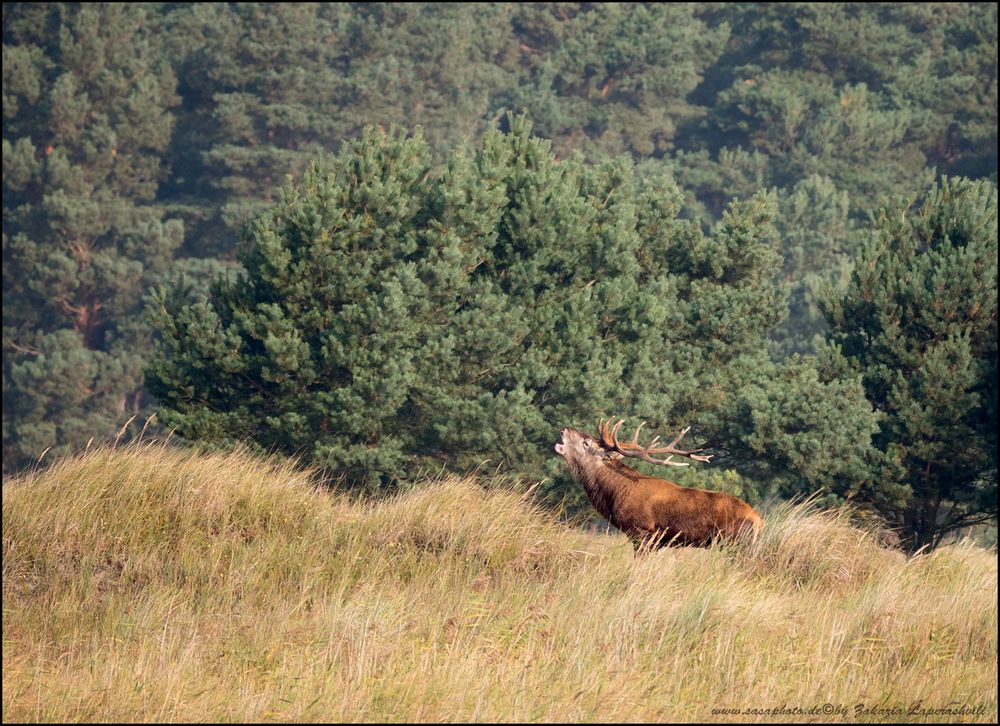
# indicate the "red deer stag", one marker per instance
pixel 647 509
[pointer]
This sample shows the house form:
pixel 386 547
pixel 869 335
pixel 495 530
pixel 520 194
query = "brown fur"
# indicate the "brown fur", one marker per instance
pixel 651 510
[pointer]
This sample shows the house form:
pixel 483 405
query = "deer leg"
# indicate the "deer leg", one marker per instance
pixel 645 541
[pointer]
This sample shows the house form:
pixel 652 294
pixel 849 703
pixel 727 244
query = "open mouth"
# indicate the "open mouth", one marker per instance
pixel 560 447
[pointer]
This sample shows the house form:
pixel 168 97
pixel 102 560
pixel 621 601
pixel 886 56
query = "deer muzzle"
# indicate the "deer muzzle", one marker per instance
pixel 560 446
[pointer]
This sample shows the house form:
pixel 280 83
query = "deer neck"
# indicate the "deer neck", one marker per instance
pixel 604 483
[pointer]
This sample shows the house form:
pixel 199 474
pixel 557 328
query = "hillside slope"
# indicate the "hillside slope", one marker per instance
pixel 154 584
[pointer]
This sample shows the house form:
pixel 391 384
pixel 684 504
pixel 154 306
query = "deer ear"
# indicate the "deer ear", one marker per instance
pixel 615 455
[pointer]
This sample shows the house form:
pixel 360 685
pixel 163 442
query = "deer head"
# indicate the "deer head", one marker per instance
pixel 578 446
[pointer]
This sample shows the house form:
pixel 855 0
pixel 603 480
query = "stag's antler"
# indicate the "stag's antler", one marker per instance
pixel 609 440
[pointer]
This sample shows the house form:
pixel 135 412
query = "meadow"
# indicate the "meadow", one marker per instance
pixel 156 584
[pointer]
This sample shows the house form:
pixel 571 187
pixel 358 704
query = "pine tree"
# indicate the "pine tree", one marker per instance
pixel 870 97
pixel 934 61
pixel 86 99
pixel 610 78
pixel 819 240
pixel 271 85
pixel 275 75
pixel 918 322
pixel 317 347
pixel 392 320
pixel 433 65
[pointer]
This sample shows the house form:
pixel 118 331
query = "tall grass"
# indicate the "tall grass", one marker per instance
pixel 151 584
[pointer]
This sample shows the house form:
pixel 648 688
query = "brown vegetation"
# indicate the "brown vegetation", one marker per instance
pixel 159 585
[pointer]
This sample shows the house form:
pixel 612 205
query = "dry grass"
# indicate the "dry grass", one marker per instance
pixel 147 584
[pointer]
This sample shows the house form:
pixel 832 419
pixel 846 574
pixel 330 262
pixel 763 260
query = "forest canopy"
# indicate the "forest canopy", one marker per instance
pixel 544 208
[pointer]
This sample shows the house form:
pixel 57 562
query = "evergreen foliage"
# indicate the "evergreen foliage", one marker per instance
pixel 265 79
pixel 871 96
pixel 611 78
pixel 788 96
pixel 85 122
pixel 919 323
pixel 275 84
pixel 391 320
pixel 127 129
pixel 818 87
pixel 812 260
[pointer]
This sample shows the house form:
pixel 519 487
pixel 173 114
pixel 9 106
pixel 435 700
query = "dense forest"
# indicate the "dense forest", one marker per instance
pixel 394 238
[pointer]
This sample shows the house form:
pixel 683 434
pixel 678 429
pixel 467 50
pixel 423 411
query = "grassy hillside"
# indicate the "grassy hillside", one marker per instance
pixel 154 584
